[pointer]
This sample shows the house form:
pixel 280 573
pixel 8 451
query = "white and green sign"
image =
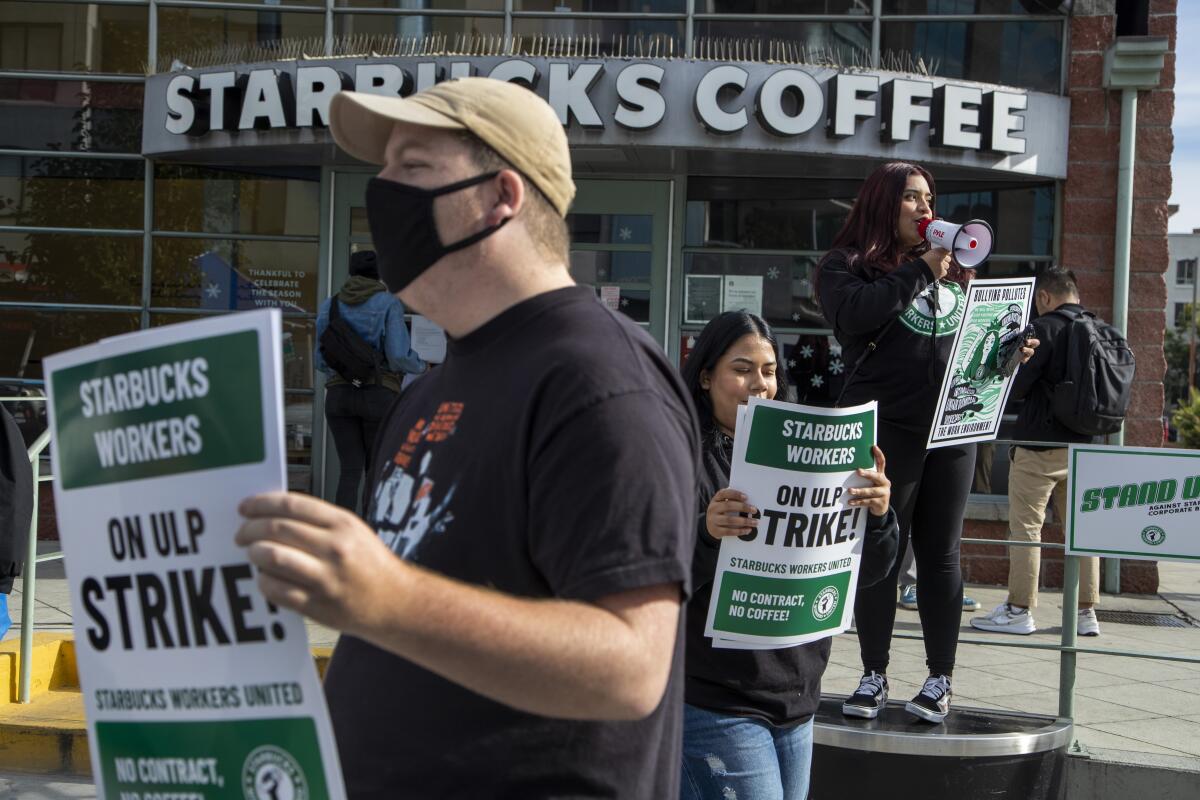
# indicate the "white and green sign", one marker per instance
pixel 793 580
pixel 975 387
pixel 194 685
pixel 1131 502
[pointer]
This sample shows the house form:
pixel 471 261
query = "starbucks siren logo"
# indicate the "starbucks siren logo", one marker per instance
pixel 918 317
pixel 271 773
pixel 825 604
pixel 1154 535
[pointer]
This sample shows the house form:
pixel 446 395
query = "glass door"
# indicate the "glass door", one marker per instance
pixel 620 240
pixel 620 236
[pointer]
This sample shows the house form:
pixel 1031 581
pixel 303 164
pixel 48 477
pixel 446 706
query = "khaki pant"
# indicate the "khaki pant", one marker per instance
pixel 1032 478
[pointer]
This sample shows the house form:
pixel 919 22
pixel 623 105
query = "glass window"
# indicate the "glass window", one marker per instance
pixel 1185 271
pixel 299 339
pixel 232 200
pixel 1016 53
pixel 416 25
pixel 1002 267
pixel 69 268
pixel 185 30
pixel 30 336
pixel 604 6
pixel 783 6
pixel 231 275
pixel 668 33
pixel 314 3
pixel 975 7
pixel 766 214
pixel 430 5
pixel 851 41
pixel 611 228
pixel 71 192
pixel 788 298
pixel 73 37
pixel 298 434
pixel 1022 217
pixel 70 115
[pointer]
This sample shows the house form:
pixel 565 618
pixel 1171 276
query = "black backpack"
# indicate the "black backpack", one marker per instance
pixel 1097 368
pixel 347 353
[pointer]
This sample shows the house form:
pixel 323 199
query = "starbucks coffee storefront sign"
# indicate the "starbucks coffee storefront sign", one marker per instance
pixel 651 103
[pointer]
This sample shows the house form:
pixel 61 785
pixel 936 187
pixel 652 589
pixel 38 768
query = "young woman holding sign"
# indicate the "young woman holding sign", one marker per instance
pixel 748 713
pixel 882 288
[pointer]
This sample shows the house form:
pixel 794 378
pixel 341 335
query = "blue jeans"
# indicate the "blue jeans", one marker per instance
pixel 742 758
pixel 5 619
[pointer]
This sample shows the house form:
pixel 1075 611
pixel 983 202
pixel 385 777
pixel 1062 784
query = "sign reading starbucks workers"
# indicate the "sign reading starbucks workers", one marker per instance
pixel 793 579
pixel 194 685
pixel 975 387
pixel 1134 502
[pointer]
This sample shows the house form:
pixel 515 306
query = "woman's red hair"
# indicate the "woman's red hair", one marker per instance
pixel 868 238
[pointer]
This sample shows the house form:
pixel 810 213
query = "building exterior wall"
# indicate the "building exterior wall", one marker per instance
pixel 116 234
pixel 1180 287
pixel 1088 212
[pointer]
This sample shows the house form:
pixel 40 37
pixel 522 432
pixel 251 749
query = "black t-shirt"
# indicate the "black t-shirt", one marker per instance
pixel 905 373
pixel 552 455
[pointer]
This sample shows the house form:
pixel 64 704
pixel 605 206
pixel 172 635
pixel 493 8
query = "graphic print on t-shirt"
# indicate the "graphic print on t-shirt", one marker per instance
pixel 919 315
pixel 408 504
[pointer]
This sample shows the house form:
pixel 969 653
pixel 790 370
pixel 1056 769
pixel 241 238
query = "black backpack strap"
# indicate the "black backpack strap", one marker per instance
pixel 871 347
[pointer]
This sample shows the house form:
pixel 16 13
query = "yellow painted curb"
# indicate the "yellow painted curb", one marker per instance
pixel 49 734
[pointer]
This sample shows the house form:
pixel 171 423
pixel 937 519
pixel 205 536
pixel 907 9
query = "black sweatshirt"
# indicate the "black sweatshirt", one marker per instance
pixel 905 372
pixel 16 500
pixel 782 687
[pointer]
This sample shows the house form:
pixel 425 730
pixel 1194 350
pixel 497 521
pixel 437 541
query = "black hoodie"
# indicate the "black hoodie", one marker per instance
pixel 895 311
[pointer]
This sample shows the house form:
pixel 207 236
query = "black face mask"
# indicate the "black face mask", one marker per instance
pixel 404 231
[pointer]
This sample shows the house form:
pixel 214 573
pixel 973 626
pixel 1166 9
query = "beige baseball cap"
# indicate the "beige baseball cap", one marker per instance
pixel 509 118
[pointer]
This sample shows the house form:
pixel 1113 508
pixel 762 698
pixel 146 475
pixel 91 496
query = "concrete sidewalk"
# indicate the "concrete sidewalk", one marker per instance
pixel 1138 707
pixel 1132 709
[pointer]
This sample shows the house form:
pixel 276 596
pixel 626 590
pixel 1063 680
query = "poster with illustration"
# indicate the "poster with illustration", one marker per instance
pixel 977 382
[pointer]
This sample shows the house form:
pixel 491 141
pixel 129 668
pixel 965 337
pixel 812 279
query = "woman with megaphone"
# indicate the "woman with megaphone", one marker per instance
pixel 895 303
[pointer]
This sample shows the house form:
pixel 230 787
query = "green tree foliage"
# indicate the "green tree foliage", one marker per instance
pixel 1187 421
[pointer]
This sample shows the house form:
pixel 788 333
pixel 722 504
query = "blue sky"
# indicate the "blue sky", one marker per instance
pixel 1185 163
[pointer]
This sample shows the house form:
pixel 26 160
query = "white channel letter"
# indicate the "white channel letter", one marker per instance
pixel 640 106
pixel 311 100
pixel 847 105
pixel 181 112
pixel 709 111
pixel 769 106
pixel 261 99
pixel 569 93
pixel 216 83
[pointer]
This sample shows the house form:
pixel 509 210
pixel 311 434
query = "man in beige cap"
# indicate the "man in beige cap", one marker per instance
pixel 512 611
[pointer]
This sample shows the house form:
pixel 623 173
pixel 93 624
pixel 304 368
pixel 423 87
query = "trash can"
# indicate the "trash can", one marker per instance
pixel 975 753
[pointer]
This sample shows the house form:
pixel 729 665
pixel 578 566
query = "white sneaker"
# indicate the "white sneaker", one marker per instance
pixel 1006 618
pixel 1087 624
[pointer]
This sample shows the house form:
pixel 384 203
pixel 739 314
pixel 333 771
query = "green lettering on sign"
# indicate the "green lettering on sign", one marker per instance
pixel 761 606
pixel 810 443
pixel 162 411
pixel 236 759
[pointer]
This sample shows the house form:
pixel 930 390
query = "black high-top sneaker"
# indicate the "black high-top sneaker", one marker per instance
pixel 869 698
pixel 932 703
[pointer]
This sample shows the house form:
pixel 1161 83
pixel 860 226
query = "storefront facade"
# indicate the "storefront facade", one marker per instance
pixel 717 146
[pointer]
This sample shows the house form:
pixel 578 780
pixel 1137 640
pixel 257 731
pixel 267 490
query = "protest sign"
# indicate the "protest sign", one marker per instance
pixel 1134 502
pixel 194 686
pixel 793 580
pixel 975 387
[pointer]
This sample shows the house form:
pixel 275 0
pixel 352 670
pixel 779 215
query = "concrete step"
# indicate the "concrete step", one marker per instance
pixel 48 735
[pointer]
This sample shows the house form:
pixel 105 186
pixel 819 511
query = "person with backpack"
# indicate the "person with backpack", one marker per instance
pixel 16 509
pixel 1076 388
pixel 363 345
